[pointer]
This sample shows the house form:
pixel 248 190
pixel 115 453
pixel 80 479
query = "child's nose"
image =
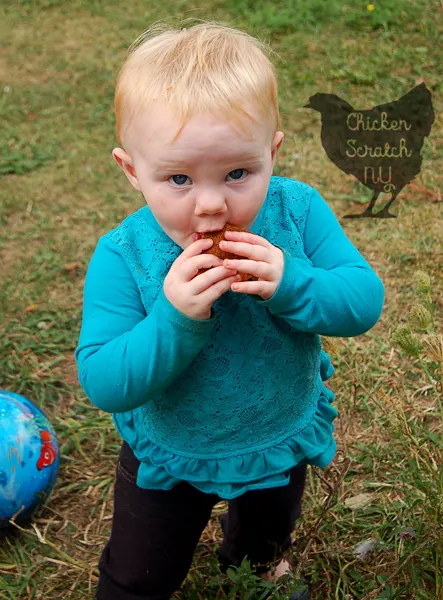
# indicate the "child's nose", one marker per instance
pixel 211 201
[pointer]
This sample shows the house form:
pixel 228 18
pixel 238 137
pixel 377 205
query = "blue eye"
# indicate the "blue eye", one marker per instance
pixel 179 176
pixel 236 171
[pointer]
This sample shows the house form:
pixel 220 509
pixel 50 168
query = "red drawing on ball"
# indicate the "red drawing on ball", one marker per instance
pixel 48 453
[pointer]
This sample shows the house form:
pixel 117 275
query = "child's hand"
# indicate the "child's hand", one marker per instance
pixel 265 262
pixel 193 294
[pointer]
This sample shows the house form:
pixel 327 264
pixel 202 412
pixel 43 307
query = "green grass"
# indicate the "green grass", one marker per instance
pixel 60 191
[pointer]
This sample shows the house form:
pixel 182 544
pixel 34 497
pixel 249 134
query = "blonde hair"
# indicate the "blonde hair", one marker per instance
pixel 206 68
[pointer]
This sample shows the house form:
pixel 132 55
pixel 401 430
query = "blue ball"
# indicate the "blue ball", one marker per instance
pixel 29 457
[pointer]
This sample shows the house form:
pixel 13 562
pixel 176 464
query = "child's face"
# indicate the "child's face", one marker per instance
pixel 211 175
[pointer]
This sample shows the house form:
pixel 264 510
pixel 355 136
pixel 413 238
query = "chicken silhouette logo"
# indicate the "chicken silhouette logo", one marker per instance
pixel 381 146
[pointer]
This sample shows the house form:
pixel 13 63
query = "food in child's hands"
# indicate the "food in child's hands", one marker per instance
pixel 190 293
pixel 217 237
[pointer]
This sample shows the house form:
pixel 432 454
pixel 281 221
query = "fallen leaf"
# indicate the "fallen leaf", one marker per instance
pixel 359 500
pixel 363 549
pixel 31 307
pixel 71 266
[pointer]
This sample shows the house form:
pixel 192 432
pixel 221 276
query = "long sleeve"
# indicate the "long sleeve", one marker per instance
pixel 124 356
pixel 339 294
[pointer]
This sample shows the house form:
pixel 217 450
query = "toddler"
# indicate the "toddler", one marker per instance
pixel 215 385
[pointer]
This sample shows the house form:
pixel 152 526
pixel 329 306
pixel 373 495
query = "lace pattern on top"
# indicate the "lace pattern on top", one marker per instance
pixel 258 378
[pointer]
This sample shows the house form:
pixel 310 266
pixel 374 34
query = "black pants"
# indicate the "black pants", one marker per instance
pixel 155 532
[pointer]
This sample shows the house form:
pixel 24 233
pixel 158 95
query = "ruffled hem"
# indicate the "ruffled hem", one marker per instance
pixel 231 476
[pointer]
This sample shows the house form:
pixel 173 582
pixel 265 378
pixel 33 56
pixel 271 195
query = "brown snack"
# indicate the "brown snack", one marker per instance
pixel 218 236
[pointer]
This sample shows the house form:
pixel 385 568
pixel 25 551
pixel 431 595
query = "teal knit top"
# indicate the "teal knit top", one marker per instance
pixel 231 403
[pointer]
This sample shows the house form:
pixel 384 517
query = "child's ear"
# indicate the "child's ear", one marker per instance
pixel 124 161
pixel 276 143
